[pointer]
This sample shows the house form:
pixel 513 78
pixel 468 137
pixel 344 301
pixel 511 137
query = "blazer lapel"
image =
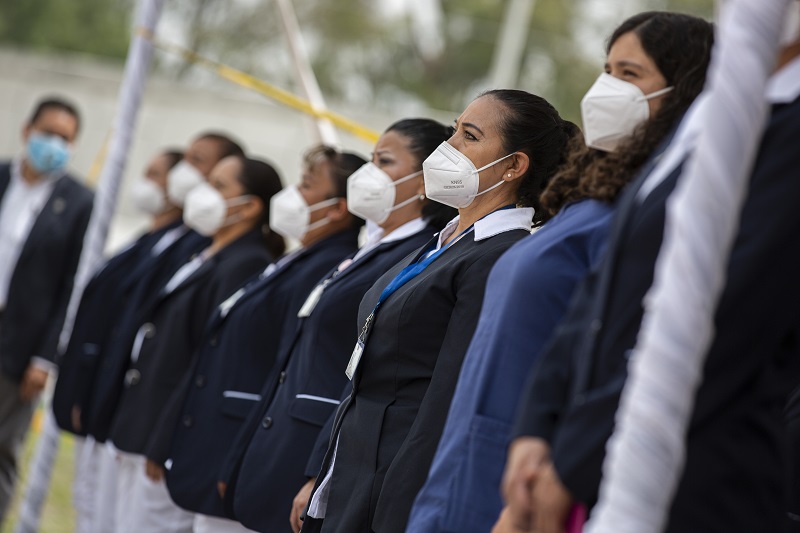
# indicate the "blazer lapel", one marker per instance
pixel 193 278
pixel 49 216
pixel 5 178
pixel 628 205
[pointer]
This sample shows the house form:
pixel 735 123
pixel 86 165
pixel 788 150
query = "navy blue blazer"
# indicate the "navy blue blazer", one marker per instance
pixel 144 286
pixel 170 336
pixel 269 459
pixel 42 281
pixel 237 352
pixel 527 293
pixel 103 300
pixel 734 477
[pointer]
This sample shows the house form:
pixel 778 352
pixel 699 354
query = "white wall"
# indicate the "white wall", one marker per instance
pixel 171 115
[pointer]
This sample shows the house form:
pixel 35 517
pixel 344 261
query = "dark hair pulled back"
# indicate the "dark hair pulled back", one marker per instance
pixel 261 180
pixel 531 125
pixel 680 46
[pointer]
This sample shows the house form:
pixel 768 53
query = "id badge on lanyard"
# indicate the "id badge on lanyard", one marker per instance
pixel 405 275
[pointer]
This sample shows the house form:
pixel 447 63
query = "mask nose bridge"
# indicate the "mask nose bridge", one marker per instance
pixel 452 155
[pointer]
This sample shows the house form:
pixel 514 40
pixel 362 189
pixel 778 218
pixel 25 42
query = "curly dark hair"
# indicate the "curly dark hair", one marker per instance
pixel 680 45
pixel 529 124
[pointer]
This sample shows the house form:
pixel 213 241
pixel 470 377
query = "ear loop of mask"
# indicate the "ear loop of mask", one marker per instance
pixel 408 200
pixel 496 185
pixel 658 93
pixel 233 202
pixel 317 206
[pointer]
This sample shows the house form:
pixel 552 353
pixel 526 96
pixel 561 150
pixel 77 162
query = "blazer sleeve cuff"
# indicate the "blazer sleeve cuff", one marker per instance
pixel 43 364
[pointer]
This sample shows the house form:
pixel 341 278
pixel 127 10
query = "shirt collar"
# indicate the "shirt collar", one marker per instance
pixel 376 238
pixel 493 224
pixel 47 180
pixel 784 85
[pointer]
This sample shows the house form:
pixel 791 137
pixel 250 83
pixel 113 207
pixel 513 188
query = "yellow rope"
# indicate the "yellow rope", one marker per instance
pixel 270 91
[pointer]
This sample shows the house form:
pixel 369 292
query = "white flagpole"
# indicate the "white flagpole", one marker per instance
pixel 325 131
pixel 513 36
pixel 137 64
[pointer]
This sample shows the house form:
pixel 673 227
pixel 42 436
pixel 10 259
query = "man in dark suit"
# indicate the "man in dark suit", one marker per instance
pixel 44 213
pixel 733 479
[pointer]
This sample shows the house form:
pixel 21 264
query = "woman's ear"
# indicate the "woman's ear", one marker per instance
pixel 421 187
pixel 253 208
pixel 518 166
pixel 338 211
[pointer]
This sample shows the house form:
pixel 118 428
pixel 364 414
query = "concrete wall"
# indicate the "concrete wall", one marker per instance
pixel 171 114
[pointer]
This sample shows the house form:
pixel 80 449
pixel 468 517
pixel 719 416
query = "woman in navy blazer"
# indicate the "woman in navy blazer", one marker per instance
pixel 102 301
pixel 268 462
pixel 231 208
pixel 412 346
pixel 241 341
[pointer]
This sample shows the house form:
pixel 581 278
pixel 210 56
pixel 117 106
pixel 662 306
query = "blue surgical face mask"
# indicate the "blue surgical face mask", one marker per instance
pixel 47 153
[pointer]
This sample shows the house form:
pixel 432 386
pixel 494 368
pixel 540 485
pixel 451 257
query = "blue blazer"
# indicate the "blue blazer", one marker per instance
pixel 42 281
pixel 102 302
pixel 527 293
pixel 734 476
pixel 237 351
pixel 170 335
pixel 146 282
pixel 268 462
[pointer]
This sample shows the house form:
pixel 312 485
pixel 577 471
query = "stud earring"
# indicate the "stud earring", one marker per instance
pixel 509 174
pixel 421 197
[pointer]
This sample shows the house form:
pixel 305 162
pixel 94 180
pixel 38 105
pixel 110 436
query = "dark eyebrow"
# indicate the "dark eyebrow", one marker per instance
pixel 625 63
pixel 473 126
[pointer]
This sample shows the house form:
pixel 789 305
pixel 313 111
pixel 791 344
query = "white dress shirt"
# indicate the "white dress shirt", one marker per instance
pixel 21 205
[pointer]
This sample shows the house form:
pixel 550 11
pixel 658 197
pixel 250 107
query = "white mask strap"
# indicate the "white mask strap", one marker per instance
pixel 323 203
pixel 494 163
pixel 496 185
pixel 404 203
pixel 403 180
pixel 658 93
pixel 238 200
pixel 318 224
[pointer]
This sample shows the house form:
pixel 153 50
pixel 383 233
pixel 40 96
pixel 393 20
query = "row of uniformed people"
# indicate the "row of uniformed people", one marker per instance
pixel 117 312
pixel 414 441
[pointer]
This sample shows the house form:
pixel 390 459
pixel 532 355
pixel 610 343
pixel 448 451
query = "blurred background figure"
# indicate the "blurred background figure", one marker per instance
pixel 44 213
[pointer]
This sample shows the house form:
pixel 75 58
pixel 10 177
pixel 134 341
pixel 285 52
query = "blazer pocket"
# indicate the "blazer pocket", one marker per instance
pixel 89 353
pixel 237 404
pixel 313 409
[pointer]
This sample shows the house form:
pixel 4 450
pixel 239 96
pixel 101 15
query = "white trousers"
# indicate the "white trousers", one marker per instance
pixel 104 492
pixel 88 456
pixel 144 505
pixel 212 524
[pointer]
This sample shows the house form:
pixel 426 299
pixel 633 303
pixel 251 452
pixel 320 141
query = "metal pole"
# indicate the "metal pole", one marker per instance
pixel 511 47
pixel 326 133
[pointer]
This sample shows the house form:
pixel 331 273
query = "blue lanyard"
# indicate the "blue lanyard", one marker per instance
pixel 407 274
pixel 414 269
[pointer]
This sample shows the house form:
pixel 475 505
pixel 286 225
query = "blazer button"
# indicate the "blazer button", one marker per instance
pixel 596 325
pixel 267 422
pixel 188 421
pixel 149 330
pixel 213 341
pixel 132 377
pixel 282 378
pixel 200 381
